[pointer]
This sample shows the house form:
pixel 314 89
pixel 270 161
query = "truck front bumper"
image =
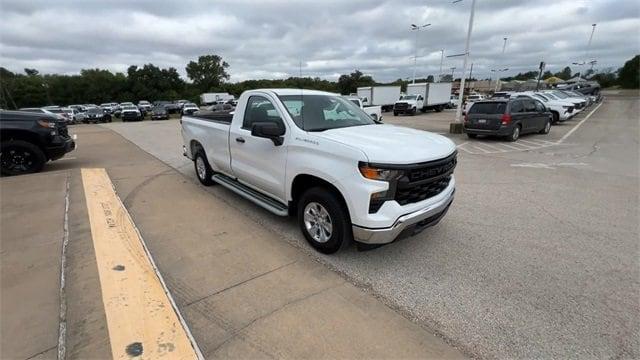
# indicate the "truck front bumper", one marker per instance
pixel 410 224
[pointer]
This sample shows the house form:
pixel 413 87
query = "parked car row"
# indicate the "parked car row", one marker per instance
pixel 512 114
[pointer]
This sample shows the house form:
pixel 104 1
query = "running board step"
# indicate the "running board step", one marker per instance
pixel 252 195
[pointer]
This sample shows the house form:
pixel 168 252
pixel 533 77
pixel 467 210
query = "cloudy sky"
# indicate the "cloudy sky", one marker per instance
pixel 271 38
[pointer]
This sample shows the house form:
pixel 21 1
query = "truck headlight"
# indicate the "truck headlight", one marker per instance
pixel 380 174
pixel 375 173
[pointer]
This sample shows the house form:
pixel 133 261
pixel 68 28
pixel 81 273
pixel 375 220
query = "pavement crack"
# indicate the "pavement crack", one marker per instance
pixel 239 283
pixel 133 193
pixel 40 353
pixel 239 332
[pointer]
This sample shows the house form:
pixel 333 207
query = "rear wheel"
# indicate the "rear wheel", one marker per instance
pixel 323 220
pixel 472 136
pixel 515 134
pixel 438 108
pixel 546 128
pixel 21 157
pixel 203 170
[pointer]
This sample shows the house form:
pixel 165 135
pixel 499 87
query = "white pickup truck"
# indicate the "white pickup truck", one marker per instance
pixel 374 111
pixel 318 156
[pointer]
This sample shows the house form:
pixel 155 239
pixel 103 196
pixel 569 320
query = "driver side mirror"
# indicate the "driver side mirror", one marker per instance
pixel 269 130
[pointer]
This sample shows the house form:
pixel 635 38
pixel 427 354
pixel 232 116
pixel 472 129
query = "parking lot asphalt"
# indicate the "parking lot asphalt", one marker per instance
pixel 538 256
pixel 241 290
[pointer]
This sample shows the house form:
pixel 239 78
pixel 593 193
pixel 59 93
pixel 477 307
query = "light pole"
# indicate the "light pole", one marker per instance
pixel 416 28
pixel 456 127
pixel 504 46
pixel 587 60
pixel 441 60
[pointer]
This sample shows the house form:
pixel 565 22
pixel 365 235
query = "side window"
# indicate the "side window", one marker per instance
pixel 516 107
pixel 260 109
pixel 529 106
pixel 540 107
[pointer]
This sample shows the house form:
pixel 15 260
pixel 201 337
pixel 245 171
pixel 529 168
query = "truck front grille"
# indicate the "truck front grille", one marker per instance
pixel 401 106
pixel 425 180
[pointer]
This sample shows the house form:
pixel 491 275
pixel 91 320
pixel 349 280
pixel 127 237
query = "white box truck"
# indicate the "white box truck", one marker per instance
pixel 423 97
pixel 212 98
pixel 383 96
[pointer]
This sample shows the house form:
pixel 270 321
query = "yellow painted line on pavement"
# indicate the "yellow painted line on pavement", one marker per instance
pixel 142 318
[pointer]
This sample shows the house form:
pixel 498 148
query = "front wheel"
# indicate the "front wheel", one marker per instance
pixel 323 220
pixel 203 170
pixel 395 113
pixel 21 157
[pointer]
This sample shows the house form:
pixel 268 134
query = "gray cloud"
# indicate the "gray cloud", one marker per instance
pixel 269 38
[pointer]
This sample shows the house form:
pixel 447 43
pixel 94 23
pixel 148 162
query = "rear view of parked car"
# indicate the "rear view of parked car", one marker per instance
pixel 30 139
pixel 507 118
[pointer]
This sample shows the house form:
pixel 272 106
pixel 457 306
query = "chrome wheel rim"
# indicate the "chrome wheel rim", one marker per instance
pixel 547 127
pixel 201 168
pixel 318 222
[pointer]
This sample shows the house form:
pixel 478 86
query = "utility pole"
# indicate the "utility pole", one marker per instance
pixel 457 126
pixel 470 74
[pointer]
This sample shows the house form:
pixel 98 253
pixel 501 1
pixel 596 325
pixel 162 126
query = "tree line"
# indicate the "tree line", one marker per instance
pixel 209 74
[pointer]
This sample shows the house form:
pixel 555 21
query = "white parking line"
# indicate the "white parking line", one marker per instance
pixel 532 142
pixel 579 124
pixel 481 149
pixel 513 147
pixel 493 147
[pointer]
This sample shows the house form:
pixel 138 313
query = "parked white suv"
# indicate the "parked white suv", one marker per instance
pixel 318 155
pixel 560 110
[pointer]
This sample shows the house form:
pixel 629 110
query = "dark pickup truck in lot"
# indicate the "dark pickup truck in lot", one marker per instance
pixel 29 140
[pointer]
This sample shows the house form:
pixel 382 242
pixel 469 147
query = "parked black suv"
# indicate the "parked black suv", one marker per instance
pixel 96 115
pixel 29 140
pixel 509 118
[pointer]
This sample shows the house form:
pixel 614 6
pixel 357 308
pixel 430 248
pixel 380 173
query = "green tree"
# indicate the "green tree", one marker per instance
pixel 430 78
pixel 605 78
pixel 629 74
pixel 348 84
pixel 208 73
pixel 565 74
pixel 547 74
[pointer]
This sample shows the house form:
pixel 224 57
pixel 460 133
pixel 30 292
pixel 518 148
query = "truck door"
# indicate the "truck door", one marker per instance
pixel 256 161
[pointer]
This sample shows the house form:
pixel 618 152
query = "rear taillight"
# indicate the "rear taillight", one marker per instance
pixel 505 119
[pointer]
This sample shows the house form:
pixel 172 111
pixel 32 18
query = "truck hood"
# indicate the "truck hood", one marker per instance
pixel 389 144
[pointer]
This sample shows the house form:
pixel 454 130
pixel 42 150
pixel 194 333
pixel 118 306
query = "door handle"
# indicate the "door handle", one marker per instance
pixel 240 140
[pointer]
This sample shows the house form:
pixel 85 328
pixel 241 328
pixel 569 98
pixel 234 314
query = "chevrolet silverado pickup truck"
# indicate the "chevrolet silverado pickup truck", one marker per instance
pixel 318 156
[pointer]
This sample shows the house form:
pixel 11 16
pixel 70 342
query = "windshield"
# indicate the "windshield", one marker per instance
pixel 324 112
pixel 560 94
pixel 55 111
pixel 409 97
pixel 488 108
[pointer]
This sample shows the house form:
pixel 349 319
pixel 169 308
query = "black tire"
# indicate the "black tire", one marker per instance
pixel 472 136
pixel 338 218
pixel 438 108
pixel 515 134
pixel 413 112
pixel 395 113
pixel 203 174
pixel 547 127
pixel 21 157
pixel 555 117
